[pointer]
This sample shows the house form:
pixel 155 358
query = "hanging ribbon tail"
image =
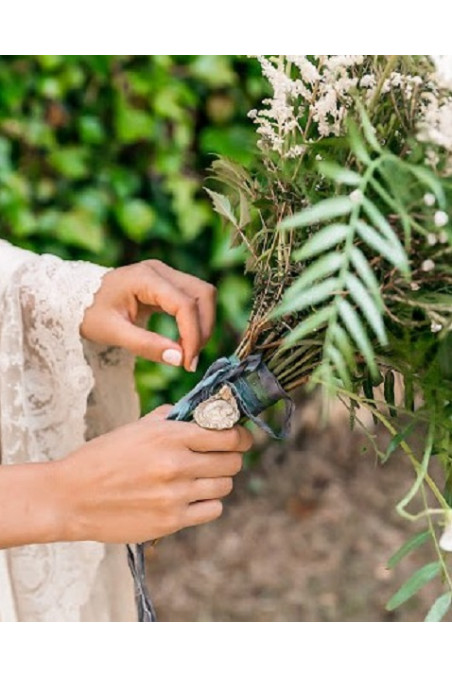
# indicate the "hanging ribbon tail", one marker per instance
pixel 136 560
pixel 255 389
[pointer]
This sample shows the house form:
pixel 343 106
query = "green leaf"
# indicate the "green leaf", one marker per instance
pixel 342 175
pixel 344 344
pixel 380 222
pixel 363 268
pixel 312 324
pixel 410 545
pixel 368 129
pixel 427 177
pixel 367 305
pixel 324 266
pixel 356 143
pixel 309 297
pixel 339 363
pixel 357 331
pixel 327 209
pixel 327 237
pixel 396 440
pixel 419 579
pixel 395 256
pixel 222 205
pixel 136 218
pixel 439 608
pixel 71 162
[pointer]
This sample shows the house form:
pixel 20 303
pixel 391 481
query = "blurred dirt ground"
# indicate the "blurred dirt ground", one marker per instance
pixel 305 536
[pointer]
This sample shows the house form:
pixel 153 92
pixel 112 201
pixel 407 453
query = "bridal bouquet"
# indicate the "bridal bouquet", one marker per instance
pixel 347 221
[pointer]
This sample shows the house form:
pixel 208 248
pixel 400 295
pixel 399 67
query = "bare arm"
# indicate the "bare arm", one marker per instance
pixel 139 482
pixel 31 509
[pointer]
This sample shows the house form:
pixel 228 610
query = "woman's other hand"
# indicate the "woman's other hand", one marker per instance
pixel 147 479
pixel 130 294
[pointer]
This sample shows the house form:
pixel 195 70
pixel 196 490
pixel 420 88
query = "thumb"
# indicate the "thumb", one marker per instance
pixel 159 413
pixel 149 345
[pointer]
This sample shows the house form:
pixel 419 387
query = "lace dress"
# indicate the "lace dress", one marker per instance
pixel 57 391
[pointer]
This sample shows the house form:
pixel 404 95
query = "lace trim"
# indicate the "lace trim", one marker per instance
pixel 45 384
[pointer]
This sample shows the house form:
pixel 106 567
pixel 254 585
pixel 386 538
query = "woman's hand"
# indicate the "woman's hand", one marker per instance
pixel 130 294
pixel 146 480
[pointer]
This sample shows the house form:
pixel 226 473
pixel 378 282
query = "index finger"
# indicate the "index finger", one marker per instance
pixel 170 299
pixel 237 439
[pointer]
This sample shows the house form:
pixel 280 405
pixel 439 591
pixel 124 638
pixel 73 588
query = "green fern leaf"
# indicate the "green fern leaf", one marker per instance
pixel 309 297
pixel 344 344
pixel 327 209
pixel 367 305
pixel 319 269
pixel 395 255
pixel 325 239
pixel 363 268
pixel 357 331
pixel 339 363
pixel 315 322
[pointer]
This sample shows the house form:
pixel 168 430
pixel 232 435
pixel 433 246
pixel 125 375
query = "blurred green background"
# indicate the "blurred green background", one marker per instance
pixel 104 158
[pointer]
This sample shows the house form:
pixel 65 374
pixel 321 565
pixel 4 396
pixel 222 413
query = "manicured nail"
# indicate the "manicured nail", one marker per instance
pixel 172 357
pixel 194 364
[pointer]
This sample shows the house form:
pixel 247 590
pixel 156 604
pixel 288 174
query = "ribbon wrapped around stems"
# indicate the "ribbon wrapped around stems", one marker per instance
pixel 254 389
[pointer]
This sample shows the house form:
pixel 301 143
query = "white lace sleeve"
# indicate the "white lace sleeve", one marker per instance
pixel 57 391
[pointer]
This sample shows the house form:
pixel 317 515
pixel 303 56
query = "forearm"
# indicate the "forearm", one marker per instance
pixel 31 504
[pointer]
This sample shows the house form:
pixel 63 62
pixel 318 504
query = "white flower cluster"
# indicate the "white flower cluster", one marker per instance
pixel 435 126
pixel 317 92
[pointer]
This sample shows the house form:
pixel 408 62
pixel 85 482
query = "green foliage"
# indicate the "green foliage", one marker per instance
pixel 103 158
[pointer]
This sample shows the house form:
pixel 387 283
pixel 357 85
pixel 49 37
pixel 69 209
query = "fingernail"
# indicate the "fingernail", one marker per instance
pixel 172 357
pixel 194 364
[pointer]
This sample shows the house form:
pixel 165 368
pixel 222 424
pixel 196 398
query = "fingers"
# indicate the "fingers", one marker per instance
pixel 209 488
pixel 191 301
pixel 203 292
pixel 202 512
pixel 237 439
pixel 214 465
pixel 157 291
pixel 160 412
pixel 143 343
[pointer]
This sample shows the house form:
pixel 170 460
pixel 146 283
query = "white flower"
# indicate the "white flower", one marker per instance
pixel 445 541
pixel 443 63
pixel 428 265
pixel 356 196
pixel 429 198
pixel 442 237
pixel 435 327
pixel 440 218
pixel 415 286
pixel 431 239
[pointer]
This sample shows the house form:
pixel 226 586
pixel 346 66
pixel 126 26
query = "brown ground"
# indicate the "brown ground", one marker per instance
pixel 305 537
